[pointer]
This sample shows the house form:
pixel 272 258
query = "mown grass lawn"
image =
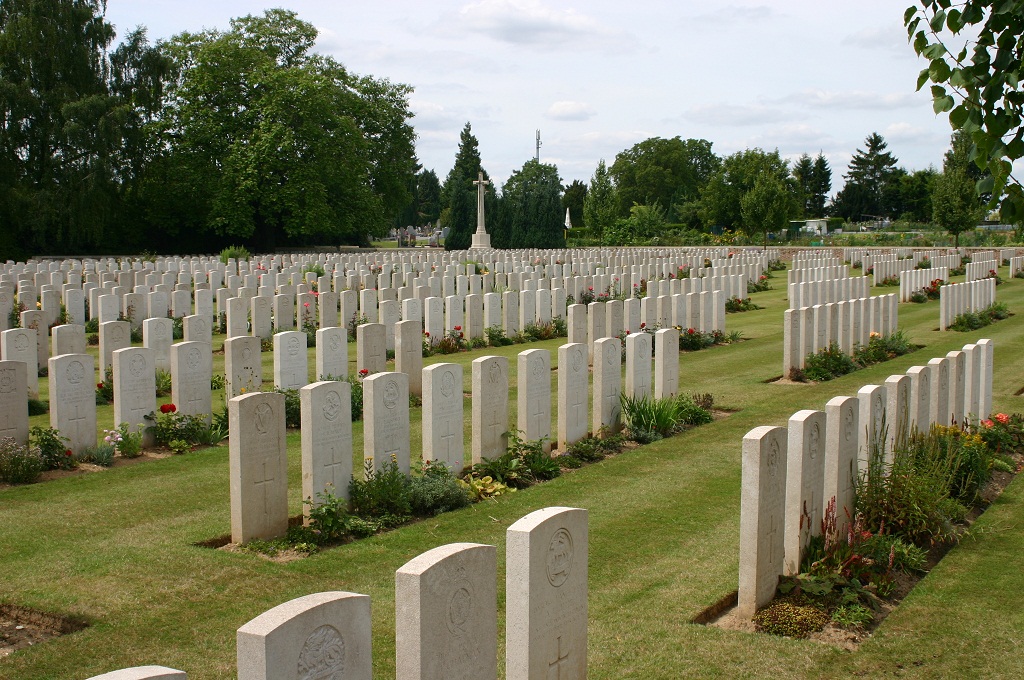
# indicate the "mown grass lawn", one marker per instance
pixel 116 547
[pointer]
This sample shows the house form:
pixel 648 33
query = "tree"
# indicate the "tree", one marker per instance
pixel 279 144
pixel 573 199
pixel 766 206
pixel 531 207
pixel 600 205
pixel 978 84
pixel 721 198
pixel 956 206
pixel 643 226
pixel 662 171
pixel 803 176
pixel 428 196
pixel 72 136
pixel 870 179
pixel 459 192
pixel 820 186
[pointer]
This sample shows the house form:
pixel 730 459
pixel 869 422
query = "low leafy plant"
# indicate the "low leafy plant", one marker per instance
pixel 105 388
pixel 163 383
pixel 37 407
pixel 828 363
pixel 436 491
pixel 972 321
pixel 19 464
pixel 380 492
pixel 735 304
pixel 292 408
pixel 102 454
pixel 482 488
pixel 234 252
pixel 496 336
pixel 52 447
pixel 852 616
pixel 761 285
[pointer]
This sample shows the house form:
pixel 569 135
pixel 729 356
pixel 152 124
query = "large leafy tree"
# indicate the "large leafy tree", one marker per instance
pixel 765 208
pixel 722 197
pixel 870 180
pixel 978 83
pixel 531 207
pixel 660 171
pixel 600 205
pixel 282 145
pixel 428 197
pixel 956 206
pixel 72 124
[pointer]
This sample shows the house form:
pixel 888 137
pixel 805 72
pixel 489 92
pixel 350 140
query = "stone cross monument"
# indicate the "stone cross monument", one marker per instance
pixel 481 239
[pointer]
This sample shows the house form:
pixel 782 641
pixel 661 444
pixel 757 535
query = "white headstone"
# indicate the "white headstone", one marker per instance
pixel 258 466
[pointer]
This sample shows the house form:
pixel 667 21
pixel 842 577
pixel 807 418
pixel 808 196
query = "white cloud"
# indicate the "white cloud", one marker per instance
pixel 887 37
pixel 908 133
pixel 569 110
pixel 531 22
pixel 853 99
pixel 735 14
pixel 735 114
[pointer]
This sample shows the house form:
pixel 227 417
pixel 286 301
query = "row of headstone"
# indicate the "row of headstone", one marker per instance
pixel 792 475
pixel 825 273
pixel 446 616
pixel 1016 266
pixel 978 269
pixel 958 298
pixel 810 293
pixel 917 279
pixel 890 269
pixel 258 452
pixel 847 323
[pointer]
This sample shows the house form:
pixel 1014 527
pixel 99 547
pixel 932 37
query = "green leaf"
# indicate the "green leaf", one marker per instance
pixel 909 14
pixel 939 71
pixel 923 78
pixel 938 20
pixel 958 116
pixel 934 50
pixel 985 184
pixel 954 20
pixel 943 104
pixel 920 42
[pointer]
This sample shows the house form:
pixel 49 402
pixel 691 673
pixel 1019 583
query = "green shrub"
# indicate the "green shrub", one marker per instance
pixel 53 450
pixel 688 412
pixel 381 492
pixel 37 407
pixel 18 464
pixel 236 252
pixel 436 491
pixel 882 348
pixel 828 363
pixel 292 408
pixel 852 616
pixel 163 383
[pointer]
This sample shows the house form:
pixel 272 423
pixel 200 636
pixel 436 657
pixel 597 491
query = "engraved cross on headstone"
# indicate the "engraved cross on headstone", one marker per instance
pixel 448 437
pixel 538 416
pixel 77 422
pixel 555 667
pixel 494 427
pixel 263 482
pixel 332 467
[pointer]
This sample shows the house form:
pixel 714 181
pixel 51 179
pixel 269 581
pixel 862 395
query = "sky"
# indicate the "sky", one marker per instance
pixel 599 76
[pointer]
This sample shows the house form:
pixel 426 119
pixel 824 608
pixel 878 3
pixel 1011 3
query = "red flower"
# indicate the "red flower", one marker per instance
pixel 590 288
pixel 426 333
pixel 168 408
pixel 68 453
pixel 364 371
pixel 643 325
pixel 690 331
pixel 1002 418
pixel 458 328
pixel 99 386
pixel 987 423
pixel 305 304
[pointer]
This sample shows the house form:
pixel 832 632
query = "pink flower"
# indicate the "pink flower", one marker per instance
pixel 987 423
pixel 1002 418
pixel 305 304
pixel 643 325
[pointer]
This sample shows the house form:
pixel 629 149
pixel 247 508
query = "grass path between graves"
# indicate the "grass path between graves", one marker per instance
pixel 116 547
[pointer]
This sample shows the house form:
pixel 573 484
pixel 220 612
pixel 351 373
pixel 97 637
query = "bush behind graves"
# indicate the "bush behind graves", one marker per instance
pixel 37 407
pixel 234 252
pixel 18 464
pixel 52 446
pixel 292 408
pixel 381 492
pixel 972 321
pixel 436 490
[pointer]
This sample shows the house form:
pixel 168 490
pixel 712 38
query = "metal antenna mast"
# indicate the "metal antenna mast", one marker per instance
pixel 537 157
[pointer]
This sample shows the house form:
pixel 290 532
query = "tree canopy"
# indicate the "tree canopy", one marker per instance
pixel 459 194
pixel 238 135
pixel 872 183
pixel 663 172
pixel 531 205
pixel 722 197
pixel 601 204
pixel 978 84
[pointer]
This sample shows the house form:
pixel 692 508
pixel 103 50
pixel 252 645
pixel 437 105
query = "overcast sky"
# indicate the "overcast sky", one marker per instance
pixel 596 77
